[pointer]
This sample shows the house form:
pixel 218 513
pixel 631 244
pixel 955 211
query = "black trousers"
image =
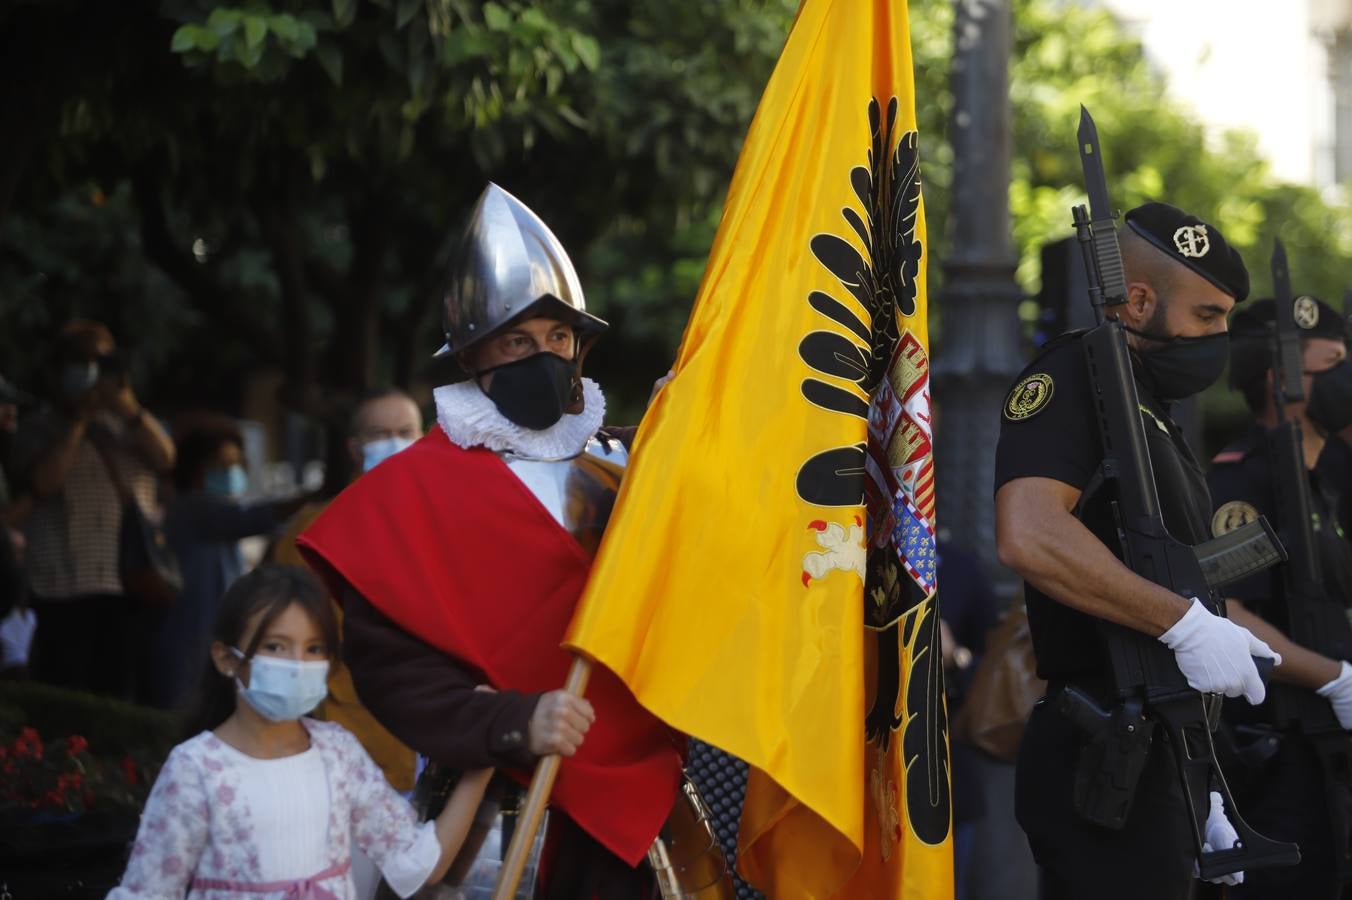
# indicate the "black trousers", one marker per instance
pixel 1151 858
pixel 89 643
pixel 1285 801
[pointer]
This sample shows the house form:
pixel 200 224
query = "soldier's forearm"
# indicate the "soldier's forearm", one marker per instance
pixel 1300 666
pixel 1039 538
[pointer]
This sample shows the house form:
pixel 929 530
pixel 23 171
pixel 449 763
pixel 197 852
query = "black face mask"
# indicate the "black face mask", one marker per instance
pixel 533 392
pixel 1178 367
pixel 1330 404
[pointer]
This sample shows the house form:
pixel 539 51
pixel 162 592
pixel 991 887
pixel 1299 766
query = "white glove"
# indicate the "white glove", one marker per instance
pixel 1219 834
pixel 1214 654
pixel 1338 693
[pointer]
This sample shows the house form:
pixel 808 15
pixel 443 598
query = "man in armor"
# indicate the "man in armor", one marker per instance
pixel 459 562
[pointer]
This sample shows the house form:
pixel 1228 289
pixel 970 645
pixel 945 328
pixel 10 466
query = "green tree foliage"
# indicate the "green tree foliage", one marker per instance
pixel 289 175
pixel 244 184
pixel 1154 150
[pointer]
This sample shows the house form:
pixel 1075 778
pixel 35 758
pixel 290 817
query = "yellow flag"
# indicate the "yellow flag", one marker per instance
pixel 767 582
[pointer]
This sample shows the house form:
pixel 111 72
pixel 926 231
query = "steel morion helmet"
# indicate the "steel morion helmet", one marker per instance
pixel 509 266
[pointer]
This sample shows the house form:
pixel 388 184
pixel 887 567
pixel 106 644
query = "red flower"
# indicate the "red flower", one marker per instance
pixel 69 778
pixel 29 743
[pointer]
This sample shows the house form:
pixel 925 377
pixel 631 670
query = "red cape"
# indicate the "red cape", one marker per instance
pixel 450 545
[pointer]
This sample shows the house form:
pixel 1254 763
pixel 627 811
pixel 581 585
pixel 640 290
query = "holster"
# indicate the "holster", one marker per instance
pixel 1112 758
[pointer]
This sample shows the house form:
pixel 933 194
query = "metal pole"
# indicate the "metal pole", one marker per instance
pixel 979 353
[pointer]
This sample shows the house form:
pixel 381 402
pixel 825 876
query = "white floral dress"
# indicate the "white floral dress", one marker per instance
pixel 219 824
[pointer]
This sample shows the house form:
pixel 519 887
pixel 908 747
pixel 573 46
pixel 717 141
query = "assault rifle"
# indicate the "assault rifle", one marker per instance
pixel 1151 691
pixel 1315 620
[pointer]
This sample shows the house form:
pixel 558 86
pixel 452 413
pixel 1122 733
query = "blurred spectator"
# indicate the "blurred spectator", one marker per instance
pixel 11 398
pixel 65 456
pixel 17 619
pixel 384 422
pixel 969 610
pixel 204 524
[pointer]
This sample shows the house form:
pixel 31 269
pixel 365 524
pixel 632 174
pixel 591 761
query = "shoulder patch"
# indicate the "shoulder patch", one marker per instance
pixel 1029 397
pixel 1232 515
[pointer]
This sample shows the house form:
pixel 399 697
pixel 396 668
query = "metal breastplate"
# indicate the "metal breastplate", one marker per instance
pixel 579 493
pixel 687 860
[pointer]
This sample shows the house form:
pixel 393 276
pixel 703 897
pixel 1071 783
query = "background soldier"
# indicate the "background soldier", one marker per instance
pixel 1285 796
pixel 1054 528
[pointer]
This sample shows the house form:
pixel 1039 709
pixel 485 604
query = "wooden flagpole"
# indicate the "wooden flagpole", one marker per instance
pixel 537 798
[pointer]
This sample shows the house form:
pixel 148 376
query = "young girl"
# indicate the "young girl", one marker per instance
pixel 263 803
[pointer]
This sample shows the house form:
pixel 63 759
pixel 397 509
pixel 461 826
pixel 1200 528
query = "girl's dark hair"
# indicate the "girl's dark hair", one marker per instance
pixel 269 589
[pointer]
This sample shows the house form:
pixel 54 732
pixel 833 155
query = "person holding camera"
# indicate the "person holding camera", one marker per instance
pixel 90 444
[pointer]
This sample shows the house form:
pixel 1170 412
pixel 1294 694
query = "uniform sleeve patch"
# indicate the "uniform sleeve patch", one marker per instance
pixel 1232 515
pixel 1029 397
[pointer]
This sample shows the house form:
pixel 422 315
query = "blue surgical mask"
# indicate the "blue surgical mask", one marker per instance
pixel 228 482
pixel 283 689
pixel 373 453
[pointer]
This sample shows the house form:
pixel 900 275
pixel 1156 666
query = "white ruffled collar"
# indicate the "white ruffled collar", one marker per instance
pixel 470 419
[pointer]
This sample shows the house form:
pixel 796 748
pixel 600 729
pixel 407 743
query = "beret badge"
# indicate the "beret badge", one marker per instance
pixel 1192 241
pixel 1306 312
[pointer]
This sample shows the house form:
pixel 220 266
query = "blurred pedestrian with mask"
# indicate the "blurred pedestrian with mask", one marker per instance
pixel 385 422
pixel 91 444
pixel 204 524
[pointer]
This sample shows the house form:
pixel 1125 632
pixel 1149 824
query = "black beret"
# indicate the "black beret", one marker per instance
pixel 1314 318
pixel 1187 239
pixel 1249 334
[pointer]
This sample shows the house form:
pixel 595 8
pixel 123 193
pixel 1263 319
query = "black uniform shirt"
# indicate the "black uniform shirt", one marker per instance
pixel 1335 473
pixel 1242 489
pixel 1049 429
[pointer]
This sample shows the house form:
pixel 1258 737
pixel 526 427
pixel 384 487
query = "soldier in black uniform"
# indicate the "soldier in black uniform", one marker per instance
pixel 1283 796
pixel 1055 529
pixel 1335 463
